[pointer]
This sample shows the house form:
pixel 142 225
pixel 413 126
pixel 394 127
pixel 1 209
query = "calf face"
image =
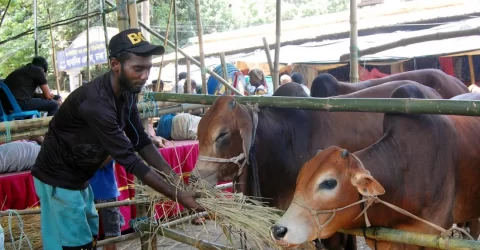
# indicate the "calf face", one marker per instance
pixel 333 179
pixel 223 133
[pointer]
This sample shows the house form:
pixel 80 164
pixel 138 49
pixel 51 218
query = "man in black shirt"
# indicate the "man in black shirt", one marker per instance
pixel 24 81
pixel 98 119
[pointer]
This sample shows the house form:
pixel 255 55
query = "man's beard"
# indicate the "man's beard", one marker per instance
pixel 127 85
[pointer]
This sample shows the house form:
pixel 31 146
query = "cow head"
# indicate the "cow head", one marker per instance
pixel 333 179
pixel 224 132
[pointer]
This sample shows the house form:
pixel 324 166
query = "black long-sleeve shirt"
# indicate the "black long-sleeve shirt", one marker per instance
pixel 90 125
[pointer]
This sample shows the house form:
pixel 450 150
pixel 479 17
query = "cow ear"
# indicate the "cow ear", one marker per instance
pixel 366 184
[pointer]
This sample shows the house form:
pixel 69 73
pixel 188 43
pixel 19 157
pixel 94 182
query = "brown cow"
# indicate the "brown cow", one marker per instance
pixel 326 85
pixel 285 140
pixel 425 164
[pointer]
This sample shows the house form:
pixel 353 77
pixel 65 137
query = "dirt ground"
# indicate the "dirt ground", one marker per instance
pixel 209 232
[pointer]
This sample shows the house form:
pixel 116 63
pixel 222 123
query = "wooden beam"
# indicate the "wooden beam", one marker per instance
pixel 200 46
pixel 267 52
pixel 472 69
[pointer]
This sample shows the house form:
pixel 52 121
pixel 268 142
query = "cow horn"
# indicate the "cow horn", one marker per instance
pixel 319 151
pixel 344 153
pixel 232 104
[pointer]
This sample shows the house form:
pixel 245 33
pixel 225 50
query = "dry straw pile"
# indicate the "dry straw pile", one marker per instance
pixel 13 226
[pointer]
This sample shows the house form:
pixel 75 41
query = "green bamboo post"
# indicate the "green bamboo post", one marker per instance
pixel 418 239
pixel 374 105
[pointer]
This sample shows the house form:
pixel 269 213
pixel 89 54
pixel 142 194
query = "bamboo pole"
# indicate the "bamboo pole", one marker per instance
pixel 133 14
pixel 472 69
pixel 412 40
pixel 418 239
pixel 188 82
pixel 5 12
pixel 105 28
pixel 175 33
pixel 88 41
pixel 200 47
pixel 54 61
pixel 145 17
pixel 219 78
pixel 353 42
pixel 118 239
pixel 200 244
pixel 224 69
pixel 35 26
pixel 275 73
pixel 164 44
pixel 122 15
pixel 267 52
pixel 374 105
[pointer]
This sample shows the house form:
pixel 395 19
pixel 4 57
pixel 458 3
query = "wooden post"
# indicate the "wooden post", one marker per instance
pixel 188 82
pixel 88 40
pixel 224 70
pixel 200 45
pixel 175 31
pixel 105 28
pixel 275 76
pixel 165 44
pixel 35 27
pixel 269 57
pixel 54 61
pixel 472 70
pixel 122 15
pixel 353 42
pixel 132 14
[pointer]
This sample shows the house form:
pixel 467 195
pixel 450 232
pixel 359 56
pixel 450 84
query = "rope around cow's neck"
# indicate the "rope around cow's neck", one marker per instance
pixel 369 200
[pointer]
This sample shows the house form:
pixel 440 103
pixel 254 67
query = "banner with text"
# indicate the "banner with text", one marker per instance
pixel 77 57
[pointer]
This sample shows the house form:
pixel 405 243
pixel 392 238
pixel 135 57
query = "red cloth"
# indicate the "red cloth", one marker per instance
pixel 17 190
pixel 446 65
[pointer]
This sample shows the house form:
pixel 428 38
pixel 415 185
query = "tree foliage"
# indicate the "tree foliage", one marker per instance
pixel 217 16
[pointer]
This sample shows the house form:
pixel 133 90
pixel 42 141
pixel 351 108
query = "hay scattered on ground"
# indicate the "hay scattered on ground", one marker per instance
pixel 12 227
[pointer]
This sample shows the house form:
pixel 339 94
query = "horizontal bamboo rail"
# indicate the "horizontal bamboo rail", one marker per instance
pixel 200 244
pixel 104 205
pixel 375 105
pixel 147 110
pixel 118 239
pixel 419 239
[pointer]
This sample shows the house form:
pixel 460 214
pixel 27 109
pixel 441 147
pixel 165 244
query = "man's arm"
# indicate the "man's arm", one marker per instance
pixel 102 120
pixel 145 147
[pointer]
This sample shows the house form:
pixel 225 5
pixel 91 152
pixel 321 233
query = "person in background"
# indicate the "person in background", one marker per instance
pixel 285 79
pixel 105 189
pixel 154 85
pixel 258 84
pixel 298 78
pixel 23 82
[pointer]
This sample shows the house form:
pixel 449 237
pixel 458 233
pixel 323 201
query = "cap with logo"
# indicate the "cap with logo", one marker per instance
pixel 132 40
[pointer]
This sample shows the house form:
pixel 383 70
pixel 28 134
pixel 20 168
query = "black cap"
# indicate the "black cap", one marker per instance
pixel 132 40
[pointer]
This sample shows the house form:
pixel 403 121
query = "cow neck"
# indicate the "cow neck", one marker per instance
pixel 243 176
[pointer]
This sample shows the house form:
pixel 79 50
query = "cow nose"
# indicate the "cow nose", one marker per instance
pixel 279 232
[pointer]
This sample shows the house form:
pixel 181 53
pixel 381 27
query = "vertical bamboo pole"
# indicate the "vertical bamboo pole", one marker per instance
pixel 35 26
pixel 275 72
pixel 175 32
pixel 88 40
pixel 122 15
pixel 54 61
pixel 353 42
pixel 224 71
pixel 472 70
pixel 267 52
pixel 188 82
pixel 105 28
pixel 165 43
pixel 200 45
pixel 145 10
pixel 132 14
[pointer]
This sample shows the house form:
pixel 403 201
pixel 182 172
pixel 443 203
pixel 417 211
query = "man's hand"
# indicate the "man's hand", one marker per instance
pixel 158 141
pixel 188 200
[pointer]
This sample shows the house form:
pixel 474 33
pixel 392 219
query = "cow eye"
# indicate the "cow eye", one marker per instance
pixel 328 184
pixel 221 135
